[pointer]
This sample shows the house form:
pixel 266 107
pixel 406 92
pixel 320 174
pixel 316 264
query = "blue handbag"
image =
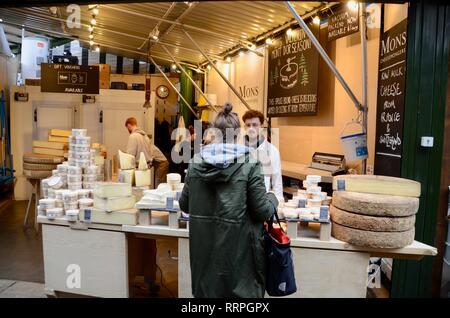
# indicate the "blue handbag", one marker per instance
pixel 280 276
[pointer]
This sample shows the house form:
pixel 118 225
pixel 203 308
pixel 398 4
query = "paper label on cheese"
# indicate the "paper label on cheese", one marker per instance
pixel 341 185
pixel 87 215
pixel 301 203
pixel 323 213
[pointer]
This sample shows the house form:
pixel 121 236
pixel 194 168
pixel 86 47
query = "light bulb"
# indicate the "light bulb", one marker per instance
pixel 93 21
pixel 91 28
pixel 174 67
pixel 91 36
pixel 208 67
pixel 91 42
pixel 228 59
pixel 97 49
pixel 316 20
pixel 95 11
pixel 352 5
pixel 241 53
pixel 269 41
pixel 289 32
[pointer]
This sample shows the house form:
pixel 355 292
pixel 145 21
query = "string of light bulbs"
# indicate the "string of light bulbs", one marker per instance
pixel 94 11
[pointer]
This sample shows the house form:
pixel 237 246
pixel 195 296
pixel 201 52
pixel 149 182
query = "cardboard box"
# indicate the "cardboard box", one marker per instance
pixel 104 75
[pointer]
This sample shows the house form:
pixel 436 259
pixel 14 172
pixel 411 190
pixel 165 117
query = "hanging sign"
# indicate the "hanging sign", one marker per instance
pixel 293 75
pixel 343 23
pixel 391 100
pixel 69 78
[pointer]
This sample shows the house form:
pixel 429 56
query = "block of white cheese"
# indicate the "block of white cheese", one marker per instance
pixel 371 238
pixel 142 162
pixel 114 203
pixel 372 223
pixel 142 178
pixel 377 185
pixel 126 161
pixel 112 189
pixel 375 204
pixel 123 217
pixel 126 176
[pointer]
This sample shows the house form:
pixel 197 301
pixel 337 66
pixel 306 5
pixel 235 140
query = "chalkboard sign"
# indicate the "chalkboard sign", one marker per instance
pixel 69 78
pixel 343 23
pixel 293 75
pixel 391 100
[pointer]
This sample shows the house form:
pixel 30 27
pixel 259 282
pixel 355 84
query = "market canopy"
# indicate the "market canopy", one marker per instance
pixel 219 27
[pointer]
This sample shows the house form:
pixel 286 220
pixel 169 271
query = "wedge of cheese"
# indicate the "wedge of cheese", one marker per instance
pixel 126 161
pixel 60 132
pixel 142 162
pixel 49 151
pixel 112 189
pixel 377 185
pixel 126 176
pixel 142 178
pixel 123 217
pixel 114 203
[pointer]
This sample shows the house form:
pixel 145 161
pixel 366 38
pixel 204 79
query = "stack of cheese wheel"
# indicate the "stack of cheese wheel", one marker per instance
pixel 374 211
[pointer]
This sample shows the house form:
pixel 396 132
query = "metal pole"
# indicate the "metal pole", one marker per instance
pixel 217 70
pixel 191 27
pixel 173 86
pixel 363 31
pixel 323 54
pixel 189 77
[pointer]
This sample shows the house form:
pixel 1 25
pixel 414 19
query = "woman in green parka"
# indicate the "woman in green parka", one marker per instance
pixel 226 199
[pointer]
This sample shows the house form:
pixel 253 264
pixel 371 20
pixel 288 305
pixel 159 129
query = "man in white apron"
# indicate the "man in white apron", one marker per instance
pixel 264 151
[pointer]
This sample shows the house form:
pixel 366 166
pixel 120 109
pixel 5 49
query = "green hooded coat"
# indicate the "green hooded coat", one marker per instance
pixel 226 199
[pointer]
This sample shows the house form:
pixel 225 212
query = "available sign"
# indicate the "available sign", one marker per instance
pixel 293 75
pixel 343 23
pixel 69 78
pixel 391 100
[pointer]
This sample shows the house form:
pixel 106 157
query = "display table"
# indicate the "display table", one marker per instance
pixel 300 171
pixel 322 268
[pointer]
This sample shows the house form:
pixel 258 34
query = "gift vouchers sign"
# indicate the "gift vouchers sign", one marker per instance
pixel 69 78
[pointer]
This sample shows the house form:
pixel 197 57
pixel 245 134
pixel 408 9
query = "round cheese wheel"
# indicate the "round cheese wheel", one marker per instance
pixel 371 238
pixel 372 223
pixel 37 174
pixel 38 166
pixel 375 204
pixel 45 159
pixel 377 185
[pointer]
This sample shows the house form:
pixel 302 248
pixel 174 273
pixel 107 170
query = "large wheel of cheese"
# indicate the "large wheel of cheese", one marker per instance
pixel 377 185
pixel 372 223
pixel 372 239
pixel 375 204
pixel 38 166
pixel 43 159
pixel 36 174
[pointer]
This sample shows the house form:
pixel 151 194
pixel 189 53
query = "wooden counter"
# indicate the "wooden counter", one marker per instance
pixel 300 171
pixel 322 268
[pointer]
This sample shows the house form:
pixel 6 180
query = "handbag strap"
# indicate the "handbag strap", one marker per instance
pixel 270 221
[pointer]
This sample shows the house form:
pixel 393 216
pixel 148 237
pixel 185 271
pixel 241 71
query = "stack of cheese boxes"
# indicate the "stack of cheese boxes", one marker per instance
pixel 71 185
pixel 374 211
pixel 308 203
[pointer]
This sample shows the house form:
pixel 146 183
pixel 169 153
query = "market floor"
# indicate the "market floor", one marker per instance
pixel 21 257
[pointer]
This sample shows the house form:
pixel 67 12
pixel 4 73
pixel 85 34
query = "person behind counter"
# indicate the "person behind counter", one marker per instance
pixel 139 142
pixel 264 151
pixel 227 202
